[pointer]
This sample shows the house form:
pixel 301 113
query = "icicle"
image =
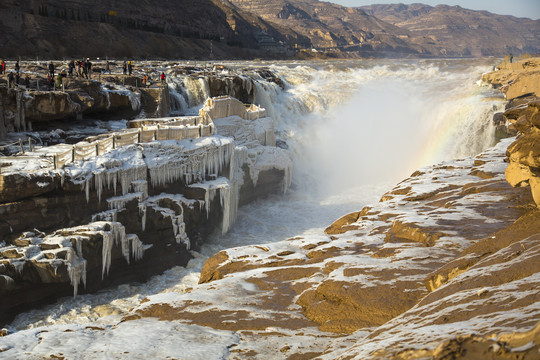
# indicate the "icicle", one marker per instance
pixel 225 200
pixel 142 213
pixel 137 247
pixel 106 252
pixel 76 270
pixel 86 188
pixel 98 184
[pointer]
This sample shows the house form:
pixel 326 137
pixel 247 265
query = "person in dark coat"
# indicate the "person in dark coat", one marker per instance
pixel 11 80
pixel 71 66
pixel 89 67
pixel 51 69
pixel 17 67
pixel 108 67
pixel 124 67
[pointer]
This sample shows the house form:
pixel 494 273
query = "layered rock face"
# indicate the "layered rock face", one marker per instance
pixel 135 209
pixel 171 29
pixel 520 82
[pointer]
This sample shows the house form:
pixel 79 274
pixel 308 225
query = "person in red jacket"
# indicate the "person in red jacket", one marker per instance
pixel 3 67
pixel 163 78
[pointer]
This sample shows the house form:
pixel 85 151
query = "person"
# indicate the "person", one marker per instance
pixel 511 57
pixel 59 81
pixel 51 69
pixel 145 80
pixel 71 66
pixel 3 68
pixel 17 67
pixel 108 67
pixel 84 68
pixel 11 79
pixel 17 78
pixel 124 66
pixel 27 82
pixel 130 67
pixel 163 78
pixel 89 67
pixel 49 81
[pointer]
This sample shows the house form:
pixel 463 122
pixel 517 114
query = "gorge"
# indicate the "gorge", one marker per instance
pixel 403 277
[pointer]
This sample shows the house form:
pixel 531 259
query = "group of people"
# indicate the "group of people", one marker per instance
pixel 80 68
pixel 14 77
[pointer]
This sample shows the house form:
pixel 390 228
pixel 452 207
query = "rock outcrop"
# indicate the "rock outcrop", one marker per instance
pixel 520 82
pixel 134 210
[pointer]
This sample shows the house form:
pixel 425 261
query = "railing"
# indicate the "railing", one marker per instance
pixel 148 130
pixel 85 150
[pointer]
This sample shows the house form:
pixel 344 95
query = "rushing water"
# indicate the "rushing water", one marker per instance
pixel 355 128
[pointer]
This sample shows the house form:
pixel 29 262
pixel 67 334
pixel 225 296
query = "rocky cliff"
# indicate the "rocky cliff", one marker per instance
pixel 131 204
pixel 169 29
pixel 520 82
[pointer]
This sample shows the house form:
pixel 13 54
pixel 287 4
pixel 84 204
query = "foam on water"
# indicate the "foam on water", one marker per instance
pixel 355 129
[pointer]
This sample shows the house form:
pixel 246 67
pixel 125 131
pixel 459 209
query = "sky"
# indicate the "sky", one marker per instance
pixel 519 8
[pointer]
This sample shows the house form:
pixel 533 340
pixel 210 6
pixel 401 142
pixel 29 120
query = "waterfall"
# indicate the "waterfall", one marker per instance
pixel 366 122
pixel 188 93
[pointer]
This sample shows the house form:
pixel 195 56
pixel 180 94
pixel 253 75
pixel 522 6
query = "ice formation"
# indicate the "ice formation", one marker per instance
pixel 76 268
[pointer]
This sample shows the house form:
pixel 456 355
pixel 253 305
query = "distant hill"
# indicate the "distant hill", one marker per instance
pixel 458 31
pixel 223 29
pixel 399 29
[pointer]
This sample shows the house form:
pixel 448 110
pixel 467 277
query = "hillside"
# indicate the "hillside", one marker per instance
pixel 463 32
pixel 166 29
pixel 222 29
pixel 394 30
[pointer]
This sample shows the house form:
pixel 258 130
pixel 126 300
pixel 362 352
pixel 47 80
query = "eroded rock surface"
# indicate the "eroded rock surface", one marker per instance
pixel 369 274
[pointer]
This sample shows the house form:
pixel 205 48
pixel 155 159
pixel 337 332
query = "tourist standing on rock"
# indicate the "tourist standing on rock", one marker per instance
pixel 108 67
pixel 17 67
pixel 71 66
pixel 3 67
pixel 163 78
pixel 130 67
pixel 11 79
pixel 145 80
pixel 27 82
pixel 511 57
pixel 49 82
pixel 124 67
pixel 51 69
pixel 89 67
pixel 85 68
pixel 59 81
